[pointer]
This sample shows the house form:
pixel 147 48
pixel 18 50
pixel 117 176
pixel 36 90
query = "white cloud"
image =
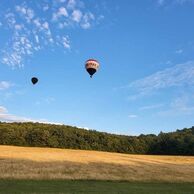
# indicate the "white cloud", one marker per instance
pixel 5 85
pixel 100 18
pixel 49 100
pixel 20 47
pixel 18 27
pixel 132 116
pixel 65 42
pixel 76 16
pixel 183 105
pixel 46 7
pixel 31 29
pixel 71 4
pixel 168 62
pixel 5 116
pixel 178 75
pixel 61 12
pixel 183 1
pixel 12 118
pixel 10 20
pixel 55 17
pixel 87 19
pixel 61 25
pixel 149 107
pixel 46 100
pixel 21 9
pixel 86 128
pixel 173 2
pixel 30 13
pixel 37 22
pixel 179 51
pixel 45 25
pixel 25 12
pixel 86 25
pixel 36 38
pixel 3 109
pixel 160 2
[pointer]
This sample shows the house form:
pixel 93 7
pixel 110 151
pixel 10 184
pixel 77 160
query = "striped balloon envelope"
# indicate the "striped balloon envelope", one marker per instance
pixel 92 66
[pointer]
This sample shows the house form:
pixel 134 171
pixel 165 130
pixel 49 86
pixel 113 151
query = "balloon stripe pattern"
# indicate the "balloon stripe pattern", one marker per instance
pixel 92 66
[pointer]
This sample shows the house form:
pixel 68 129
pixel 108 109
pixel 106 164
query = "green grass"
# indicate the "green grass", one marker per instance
pixel 91 187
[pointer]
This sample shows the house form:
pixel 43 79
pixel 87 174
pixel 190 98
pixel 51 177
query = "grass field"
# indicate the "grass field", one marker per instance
pixel 91 187
pixel 48 163
pixel 25 170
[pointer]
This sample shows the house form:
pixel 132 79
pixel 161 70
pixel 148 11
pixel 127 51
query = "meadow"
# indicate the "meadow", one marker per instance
pixel 91 187
pixel 48 163
pixel 50 170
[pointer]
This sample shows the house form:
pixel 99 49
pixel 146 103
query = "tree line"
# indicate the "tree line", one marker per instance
pixel 180 142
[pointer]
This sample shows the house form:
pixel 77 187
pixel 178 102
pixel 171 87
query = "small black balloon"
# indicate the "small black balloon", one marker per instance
pixel 34 80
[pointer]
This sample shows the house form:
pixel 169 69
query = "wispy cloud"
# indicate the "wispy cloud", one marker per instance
pixel 160 2
pixel 5 85
pixel 61 12
pixel 66 42
pixel 71 4
pixel 76 16
pixel 86 22
pixel 132 116
pixel 35 26
pixel 3 109
pixel 47 100
pixel 179 51
pixel 26 12
pixel 176 76
pixel 183 105
pixel 86 128
pixel 150 107
pixel 173 2
pixel 5 116
pixel 45 7
pixel 183 1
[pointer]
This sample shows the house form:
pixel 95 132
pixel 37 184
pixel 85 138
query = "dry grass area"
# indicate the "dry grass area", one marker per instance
pixel 49 163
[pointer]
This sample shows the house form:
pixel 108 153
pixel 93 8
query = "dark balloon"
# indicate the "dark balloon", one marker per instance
pixel 92 66
pixel 34 80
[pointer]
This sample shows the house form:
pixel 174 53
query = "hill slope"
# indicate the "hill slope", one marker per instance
pixel 180 142
pixel 50 163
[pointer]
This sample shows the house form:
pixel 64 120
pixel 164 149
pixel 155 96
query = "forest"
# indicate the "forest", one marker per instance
pixel 180 142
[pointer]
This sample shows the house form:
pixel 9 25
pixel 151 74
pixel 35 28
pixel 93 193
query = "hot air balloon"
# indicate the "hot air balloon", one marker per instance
pixel 34 80
pixel 92 66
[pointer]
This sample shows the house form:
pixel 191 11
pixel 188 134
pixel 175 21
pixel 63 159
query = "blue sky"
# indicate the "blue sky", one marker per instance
pixel 145 83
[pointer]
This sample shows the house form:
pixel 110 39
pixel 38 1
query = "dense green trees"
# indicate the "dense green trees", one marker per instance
pixel 180 142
